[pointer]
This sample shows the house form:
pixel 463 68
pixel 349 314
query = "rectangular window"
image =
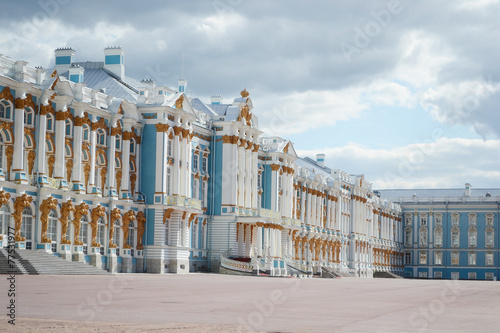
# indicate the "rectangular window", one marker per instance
pixel 408 258
pixel 472 259
pixel 438 275
pixel 167 227
pixel 488 276
pixel 195 162
pixel 259 180
pixel 169 148
pixel 202 238
pixel 489 259
pixel 423 258
pixel 489 220
pixel 439 220
pixel 169 182
pixel 455 219
pixel 455 258
pixel 204 194
pixel 422 275
pixel 205 164
pixel 438 258
pixel 194 241
pixel 472 275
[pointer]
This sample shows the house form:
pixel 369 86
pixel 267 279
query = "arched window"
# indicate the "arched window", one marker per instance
pixel 455 237
pixel 101 137
pixel 27 225
pixel 489 259
pixel 4 219
pixel 5 110
pixel 472 219
pixel 132 146
pixel 28 117
pixel 472 237
pixel 68 127
pixel 86 133
pixel 131 234
pixel 455 219
pixel 118 144
pixel 52 227
pixel 50 122
pixel 408 219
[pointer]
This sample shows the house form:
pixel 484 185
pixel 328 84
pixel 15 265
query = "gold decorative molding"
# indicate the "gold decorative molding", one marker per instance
pixel 104 171
pixel 177 130
pixel 51 161
pixel 20 203
pixel 80 210
pixel 116 214
pixel 141 227
pixel 127 135
pixel 66 208
pixel 275 167
pixel 100 124
pixel 46 206
pixel 7 95
pixel 161 128
pixel 69 169
pixel 118 176
pixel 179 102
pixel 96 213
pixel 9 153
pixel 31 161
pixel 127 217
pixel 86 171
pixel 167 214
pixel 244 93
pixel 60 115
pixel 116 131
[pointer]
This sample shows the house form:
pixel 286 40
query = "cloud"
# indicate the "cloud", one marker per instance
pixel 438 162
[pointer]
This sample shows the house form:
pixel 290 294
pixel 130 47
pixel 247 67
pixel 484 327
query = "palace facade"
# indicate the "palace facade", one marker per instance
pixel 131 176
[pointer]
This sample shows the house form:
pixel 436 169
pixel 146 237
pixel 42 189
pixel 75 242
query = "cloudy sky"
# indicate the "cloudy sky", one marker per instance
pixel 405 92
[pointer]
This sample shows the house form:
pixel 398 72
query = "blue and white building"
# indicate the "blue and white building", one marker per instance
pixel 450 233
pixel 131 176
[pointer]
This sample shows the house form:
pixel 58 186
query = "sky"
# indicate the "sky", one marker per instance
pixel 405 92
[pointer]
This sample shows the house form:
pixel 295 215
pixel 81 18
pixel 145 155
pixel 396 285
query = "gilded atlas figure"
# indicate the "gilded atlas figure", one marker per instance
pixel 66 208
pixel 127 217
pixel 21 202
pixel 80 210
pixel 115 215
pixel 141 226
pixel 97 212
pixel 4 199
pixel 46 206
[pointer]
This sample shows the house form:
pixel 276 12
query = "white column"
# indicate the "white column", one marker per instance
pixel 59 164
pixel 182 169
pixel 175 167
pixel 248 178
pixel 93 140
pixel 111 164
pixel 188 166
pixel 77 176
pixel 42 132
pixel 255 172
pixel 160 162
pixel 241 172
pixel 18 160
pixel 126 163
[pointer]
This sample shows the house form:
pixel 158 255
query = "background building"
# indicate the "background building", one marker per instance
pixel 450 233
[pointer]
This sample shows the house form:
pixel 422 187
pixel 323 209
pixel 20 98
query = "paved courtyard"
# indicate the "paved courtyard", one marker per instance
pixel 220 303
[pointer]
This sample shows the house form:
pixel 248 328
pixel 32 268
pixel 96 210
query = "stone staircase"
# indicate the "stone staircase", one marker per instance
pixel 333 273
pixel 386 275
pixel 40 262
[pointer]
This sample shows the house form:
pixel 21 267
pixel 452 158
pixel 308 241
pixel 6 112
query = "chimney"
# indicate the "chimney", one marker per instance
pixel 320 160
pixel 76 73
pixel 65 56
pixel 182 83
pixel 113 61
pixel 40 75
pixel 216 99
pixel 468 188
